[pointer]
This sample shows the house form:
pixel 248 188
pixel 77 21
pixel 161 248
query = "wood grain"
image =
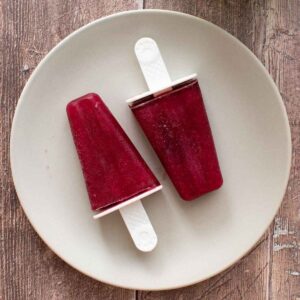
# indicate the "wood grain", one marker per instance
pixel 29 29
pixel 282 59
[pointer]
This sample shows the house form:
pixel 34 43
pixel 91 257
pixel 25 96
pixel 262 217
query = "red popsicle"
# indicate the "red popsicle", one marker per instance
pixel 173 117
pixel 177 126
pixel 113 169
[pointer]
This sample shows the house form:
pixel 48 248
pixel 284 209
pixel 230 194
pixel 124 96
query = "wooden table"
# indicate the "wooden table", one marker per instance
pixel 29 29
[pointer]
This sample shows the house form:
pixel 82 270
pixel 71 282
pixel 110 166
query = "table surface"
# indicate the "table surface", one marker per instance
pixel 29 29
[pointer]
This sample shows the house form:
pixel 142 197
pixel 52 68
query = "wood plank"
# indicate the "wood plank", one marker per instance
pixel 282 59
pixel 28 30
pixel 255 23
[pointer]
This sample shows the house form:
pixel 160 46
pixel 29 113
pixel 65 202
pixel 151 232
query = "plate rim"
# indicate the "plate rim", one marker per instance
pixel 107 18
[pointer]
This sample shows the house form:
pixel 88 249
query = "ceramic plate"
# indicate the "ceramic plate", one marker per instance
pixel 197 239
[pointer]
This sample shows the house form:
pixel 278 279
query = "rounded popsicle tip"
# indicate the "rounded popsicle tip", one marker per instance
pixel 146 50
pixel 146 240
pixel 85 98
pixel 139 225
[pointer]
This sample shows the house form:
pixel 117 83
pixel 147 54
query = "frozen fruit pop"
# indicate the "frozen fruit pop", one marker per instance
pixel 115 173
pixel 173 117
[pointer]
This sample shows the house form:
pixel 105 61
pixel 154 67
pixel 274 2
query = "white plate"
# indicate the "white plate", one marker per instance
pixel 197 239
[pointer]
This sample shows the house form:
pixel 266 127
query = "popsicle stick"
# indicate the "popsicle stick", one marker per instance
pixel 139 226
pixel 136 220
pixel 152 64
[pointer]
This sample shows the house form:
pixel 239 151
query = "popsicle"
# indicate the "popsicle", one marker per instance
pixel 173 117
pixel 115 174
